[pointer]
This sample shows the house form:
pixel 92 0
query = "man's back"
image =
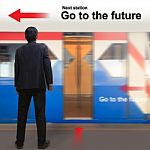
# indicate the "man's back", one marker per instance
pixel 32 65
pixel 32 71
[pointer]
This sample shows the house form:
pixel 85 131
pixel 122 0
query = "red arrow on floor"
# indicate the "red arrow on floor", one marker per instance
pixel 17 15
pixel 78 135
pixel 127 88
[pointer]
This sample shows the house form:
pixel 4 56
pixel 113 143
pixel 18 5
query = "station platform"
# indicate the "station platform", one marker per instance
pixel 93 137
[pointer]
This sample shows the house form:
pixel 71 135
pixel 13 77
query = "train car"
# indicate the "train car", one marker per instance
pixel 99 77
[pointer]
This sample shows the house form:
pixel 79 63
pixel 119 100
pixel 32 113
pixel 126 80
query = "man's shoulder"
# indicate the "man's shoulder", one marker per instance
pixel 20 48
pixel 42 45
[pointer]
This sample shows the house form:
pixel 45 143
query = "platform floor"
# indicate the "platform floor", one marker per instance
pixel 95 137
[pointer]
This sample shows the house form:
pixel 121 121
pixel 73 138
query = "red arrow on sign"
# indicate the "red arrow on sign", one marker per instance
pixel 17 15
pixel 126 88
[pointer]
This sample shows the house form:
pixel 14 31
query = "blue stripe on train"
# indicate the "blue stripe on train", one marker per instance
pixel 102 112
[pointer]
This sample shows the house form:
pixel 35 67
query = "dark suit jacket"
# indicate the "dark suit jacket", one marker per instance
pixel 32 67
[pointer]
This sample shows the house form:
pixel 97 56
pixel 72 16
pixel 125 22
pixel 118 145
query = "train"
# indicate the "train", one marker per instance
pixel 99 77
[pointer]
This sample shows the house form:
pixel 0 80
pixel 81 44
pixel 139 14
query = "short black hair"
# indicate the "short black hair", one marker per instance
pixel 31 34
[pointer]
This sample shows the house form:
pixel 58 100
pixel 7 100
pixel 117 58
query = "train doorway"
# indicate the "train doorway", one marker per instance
pixel 78 75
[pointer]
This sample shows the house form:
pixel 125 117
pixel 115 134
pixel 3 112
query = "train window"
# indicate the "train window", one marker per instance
pixel 147 57
pixel 115 51
pixel 68 58
pixel 89 58
pixel 148 48
pixel 148 52
pixel 148 36
pixel 7 58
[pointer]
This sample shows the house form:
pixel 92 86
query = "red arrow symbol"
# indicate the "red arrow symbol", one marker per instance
pixel 17 15
pixel 126 88
pixel 148 88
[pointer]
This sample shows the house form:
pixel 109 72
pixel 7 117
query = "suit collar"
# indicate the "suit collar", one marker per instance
pixel 32 42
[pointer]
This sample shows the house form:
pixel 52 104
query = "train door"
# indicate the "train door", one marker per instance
pixel 147 74
pixel 139 75
pixel 110 76
pixel 78 75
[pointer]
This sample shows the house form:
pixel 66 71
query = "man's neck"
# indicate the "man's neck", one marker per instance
pixel 32 42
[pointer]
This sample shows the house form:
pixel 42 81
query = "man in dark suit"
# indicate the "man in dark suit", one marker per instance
pixel 32 74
